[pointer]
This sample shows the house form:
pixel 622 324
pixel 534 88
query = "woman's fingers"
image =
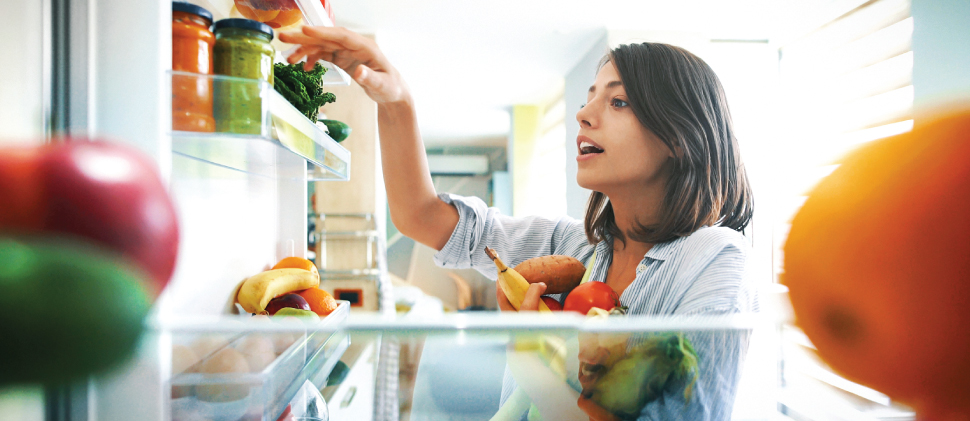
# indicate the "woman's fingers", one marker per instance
pixel 532 297
pixel 344 37
pixel 502 300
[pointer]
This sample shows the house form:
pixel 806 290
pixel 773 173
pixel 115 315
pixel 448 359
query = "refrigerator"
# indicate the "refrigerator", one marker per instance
pixel 104 71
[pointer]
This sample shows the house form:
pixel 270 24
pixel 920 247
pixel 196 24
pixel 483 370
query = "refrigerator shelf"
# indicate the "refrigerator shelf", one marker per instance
pixel 263 394
pixel 250 128
pixel 314 14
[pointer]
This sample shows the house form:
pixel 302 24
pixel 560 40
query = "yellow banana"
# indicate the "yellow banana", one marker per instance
pixel 259 289
pixel 512 283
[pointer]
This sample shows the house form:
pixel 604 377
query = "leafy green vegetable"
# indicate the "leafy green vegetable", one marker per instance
pixel 301 88
pixel 659 365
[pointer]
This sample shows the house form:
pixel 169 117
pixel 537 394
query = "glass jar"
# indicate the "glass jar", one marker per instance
pixel 242 49
pixel 192 44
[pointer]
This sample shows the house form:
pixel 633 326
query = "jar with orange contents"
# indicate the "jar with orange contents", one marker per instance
pixel 192 44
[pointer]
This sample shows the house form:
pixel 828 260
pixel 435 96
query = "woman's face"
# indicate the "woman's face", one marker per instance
pixel 616 152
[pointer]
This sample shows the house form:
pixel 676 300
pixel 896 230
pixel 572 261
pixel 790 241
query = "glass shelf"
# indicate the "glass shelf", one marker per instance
pixel 245 125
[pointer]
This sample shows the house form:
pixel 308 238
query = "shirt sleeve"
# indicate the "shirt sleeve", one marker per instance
pixel 514 239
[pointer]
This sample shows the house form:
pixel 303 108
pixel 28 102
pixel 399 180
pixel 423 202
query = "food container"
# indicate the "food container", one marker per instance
pixel 348 243
pixel 192 43
pixel 278 14
pixel 242 369
pixel 242 49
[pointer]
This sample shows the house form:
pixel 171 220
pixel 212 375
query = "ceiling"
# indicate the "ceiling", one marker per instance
pixel 468 62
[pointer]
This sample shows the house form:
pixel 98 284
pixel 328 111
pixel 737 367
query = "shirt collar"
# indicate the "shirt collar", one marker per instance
pixel 661 251
pixel 664 250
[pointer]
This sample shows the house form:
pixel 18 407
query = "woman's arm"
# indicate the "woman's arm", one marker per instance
pixel 415 208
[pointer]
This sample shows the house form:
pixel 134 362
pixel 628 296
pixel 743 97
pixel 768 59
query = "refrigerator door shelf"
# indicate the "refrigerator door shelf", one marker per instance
pixel 254 129
pixel 265 393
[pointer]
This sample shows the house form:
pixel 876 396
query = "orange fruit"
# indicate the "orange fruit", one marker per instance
pixel 877 263
pixel 297 263
pixel 321 302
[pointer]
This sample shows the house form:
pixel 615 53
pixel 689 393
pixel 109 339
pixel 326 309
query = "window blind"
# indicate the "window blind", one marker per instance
pixel 846 83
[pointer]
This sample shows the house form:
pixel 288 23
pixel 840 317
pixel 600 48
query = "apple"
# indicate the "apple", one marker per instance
pixel 287 300
pixel 552 303
pixel 102 192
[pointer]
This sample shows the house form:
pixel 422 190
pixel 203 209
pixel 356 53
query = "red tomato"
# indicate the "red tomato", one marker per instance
pixel 589 295
pixel 108 193
pixel 552 303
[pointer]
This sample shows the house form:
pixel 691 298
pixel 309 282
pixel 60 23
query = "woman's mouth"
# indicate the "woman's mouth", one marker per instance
pixel 588 148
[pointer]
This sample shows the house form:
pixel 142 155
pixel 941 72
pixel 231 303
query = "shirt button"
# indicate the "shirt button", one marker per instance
pixel 641 267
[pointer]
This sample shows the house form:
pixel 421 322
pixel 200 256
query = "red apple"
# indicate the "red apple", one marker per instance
pixel 287 300
pixel 107 193
pixel 552 303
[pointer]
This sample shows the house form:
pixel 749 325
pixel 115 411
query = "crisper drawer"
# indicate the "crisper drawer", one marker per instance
pixel 241 369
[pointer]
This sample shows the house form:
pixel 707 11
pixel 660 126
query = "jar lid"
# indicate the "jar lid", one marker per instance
pixel 181 6
pixel 244 24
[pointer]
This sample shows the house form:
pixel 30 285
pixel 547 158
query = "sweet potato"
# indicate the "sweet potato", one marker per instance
pixel 559 273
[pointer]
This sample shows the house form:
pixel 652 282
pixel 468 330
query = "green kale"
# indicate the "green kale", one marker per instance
pixel 301 88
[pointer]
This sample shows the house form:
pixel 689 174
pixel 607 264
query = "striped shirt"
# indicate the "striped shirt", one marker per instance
pixel 703 273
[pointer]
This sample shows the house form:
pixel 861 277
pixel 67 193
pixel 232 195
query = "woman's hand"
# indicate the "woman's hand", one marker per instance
pixel 357 55
pixel 529 303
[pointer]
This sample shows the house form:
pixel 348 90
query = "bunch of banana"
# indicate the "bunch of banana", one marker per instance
pixel 257 290
pixel 512 283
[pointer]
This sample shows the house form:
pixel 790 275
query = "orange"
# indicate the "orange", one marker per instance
pixel 321 302
pixel 297 263
pixel 877 263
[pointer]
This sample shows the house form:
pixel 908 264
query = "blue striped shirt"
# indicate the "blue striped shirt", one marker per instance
pixel 703 273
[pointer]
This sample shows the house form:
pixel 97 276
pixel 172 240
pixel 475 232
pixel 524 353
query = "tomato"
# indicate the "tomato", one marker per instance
pixel 102 192
pixel 589 295
pixel 552 303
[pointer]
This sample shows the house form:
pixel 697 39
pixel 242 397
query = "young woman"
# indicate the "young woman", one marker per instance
pixel 656 147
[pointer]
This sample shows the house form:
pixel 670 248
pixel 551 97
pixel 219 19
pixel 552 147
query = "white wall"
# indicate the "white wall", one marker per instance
pixel 577 84
pixel 21 88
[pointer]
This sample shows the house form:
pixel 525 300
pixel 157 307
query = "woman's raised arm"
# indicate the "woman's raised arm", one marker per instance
pixel 415 207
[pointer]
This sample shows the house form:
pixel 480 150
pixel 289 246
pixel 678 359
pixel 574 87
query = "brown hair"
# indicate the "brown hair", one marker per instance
pixel 677 96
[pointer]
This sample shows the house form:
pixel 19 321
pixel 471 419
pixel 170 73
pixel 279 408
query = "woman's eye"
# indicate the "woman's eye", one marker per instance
pixel 619 103
pixel 581 106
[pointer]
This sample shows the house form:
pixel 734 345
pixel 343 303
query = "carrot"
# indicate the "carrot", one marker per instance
pixel 559 273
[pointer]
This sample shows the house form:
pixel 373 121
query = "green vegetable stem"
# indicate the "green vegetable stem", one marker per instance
pixel 301 88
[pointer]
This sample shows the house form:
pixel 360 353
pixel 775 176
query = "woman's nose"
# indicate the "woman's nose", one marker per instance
pixel 584 116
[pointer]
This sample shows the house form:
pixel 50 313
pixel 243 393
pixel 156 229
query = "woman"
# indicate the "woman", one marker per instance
pixel 656 147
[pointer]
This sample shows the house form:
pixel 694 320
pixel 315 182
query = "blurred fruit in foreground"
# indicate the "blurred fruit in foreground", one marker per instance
pixel 69 310
pixel 108 193
pixel 321 302
pixel 878 267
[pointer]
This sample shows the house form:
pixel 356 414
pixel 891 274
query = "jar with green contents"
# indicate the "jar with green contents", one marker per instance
pixel 242 50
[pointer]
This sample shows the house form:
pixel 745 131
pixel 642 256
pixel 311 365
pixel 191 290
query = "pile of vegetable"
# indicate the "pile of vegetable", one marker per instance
pixel 301 88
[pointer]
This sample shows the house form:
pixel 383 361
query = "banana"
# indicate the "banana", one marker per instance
pixel 512 283
pixel 259 289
